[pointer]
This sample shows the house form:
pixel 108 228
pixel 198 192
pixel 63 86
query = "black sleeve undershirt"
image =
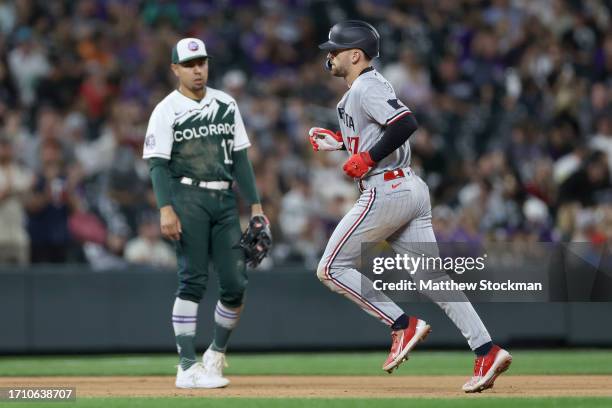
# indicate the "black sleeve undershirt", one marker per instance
pixel 395 135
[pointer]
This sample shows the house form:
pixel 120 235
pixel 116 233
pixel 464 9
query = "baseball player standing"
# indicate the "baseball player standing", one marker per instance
pixel 196 145
pixel 394 204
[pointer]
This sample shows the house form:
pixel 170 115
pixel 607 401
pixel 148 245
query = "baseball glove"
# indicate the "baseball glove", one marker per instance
pixel 256 240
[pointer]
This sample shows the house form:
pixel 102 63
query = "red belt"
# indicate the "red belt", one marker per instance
pixel 393 174
pixel 388 175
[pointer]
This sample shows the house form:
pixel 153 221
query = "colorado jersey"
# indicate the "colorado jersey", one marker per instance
pixel 198 137
pixel 365 110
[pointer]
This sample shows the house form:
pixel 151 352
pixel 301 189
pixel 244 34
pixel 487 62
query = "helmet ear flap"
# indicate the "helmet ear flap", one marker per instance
pixel 328 65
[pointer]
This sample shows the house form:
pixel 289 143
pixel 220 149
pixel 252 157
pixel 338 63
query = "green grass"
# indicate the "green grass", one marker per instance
pixel 421 363
pixel 475 402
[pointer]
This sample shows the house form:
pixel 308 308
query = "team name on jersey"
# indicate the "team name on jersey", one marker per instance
pixel 222 129
pixel 346 118
pixel 214 119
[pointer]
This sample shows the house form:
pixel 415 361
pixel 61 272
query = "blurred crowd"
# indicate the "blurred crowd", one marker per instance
pixel 513 98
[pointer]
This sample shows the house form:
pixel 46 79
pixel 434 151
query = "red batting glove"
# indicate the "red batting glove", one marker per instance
pixel 358 164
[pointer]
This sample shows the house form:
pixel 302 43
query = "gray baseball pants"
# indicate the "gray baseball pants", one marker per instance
pixel 398 211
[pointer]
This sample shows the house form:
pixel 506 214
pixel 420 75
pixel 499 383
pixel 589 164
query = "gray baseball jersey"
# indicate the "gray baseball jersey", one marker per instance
pixel 365 110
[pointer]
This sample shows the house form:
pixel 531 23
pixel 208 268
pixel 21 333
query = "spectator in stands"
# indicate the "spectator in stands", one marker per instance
pixel 15 183
pixel 410 80
pixel 148 248
pixel 49 205
pixel 28 63
pixel 584 185
pixel 513 97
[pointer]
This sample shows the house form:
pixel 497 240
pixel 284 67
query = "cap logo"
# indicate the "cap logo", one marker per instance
pixel 193 46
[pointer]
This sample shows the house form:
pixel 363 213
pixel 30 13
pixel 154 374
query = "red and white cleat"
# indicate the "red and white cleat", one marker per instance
pixel 404 341
pixel 487 369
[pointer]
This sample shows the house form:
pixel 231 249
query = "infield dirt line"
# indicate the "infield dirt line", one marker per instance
pixel 328 386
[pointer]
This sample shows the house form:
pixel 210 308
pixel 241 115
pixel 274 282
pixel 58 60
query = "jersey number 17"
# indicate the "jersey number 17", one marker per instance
pixel 353 144
pixel 228 148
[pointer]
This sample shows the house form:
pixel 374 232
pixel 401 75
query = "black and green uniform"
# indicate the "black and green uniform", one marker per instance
pixel 189 142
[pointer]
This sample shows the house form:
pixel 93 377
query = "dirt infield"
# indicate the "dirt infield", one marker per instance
pixel 331 387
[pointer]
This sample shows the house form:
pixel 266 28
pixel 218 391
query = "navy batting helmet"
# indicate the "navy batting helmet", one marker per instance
pixel 353 34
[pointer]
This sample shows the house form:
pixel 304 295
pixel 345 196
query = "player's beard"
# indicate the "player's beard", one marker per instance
pixel 338 71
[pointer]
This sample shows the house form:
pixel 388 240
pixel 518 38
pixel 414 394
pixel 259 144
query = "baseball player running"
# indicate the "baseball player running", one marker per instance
pixel 196 145
pixel 394 204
